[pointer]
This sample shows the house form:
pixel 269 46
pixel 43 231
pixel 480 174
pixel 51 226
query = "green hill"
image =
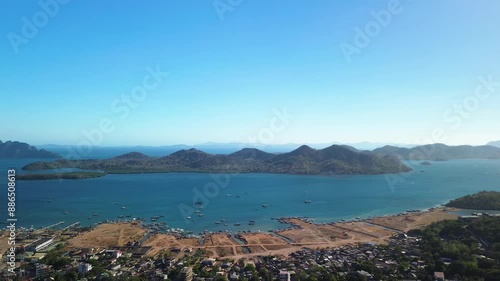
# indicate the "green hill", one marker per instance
pixel 304 160
pixel 484 200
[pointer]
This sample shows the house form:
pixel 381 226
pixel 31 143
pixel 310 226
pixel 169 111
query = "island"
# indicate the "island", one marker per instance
pixel 484 200
pixel 333 160
pixel 440 152
pixel 15 149
pixel 66 176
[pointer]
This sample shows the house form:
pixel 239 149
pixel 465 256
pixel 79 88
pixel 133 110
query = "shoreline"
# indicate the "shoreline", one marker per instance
pixel 301 232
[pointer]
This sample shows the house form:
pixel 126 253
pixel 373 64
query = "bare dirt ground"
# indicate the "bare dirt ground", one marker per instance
pixel 160 242
pixel 108 235
pixel 413 221
pixel 377 230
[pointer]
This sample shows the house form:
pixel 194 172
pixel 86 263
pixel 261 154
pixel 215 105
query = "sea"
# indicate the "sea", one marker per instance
pixel 196 201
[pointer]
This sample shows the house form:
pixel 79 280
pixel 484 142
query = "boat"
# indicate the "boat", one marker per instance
pixel 95 214
pixel 265 205
pixel 307 201
pixel 201 215
pixel 217 222
pixel 225 224
pixel 199 203
pixel 66 212
pixel 123 207
pixel 237 224
pixel 251 223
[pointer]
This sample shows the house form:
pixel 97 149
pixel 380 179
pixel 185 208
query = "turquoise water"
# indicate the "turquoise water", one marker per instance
pixel 146 195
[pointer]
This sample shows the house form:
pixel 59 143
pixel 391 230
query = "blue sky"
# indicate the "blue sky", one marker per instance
pixel 230 71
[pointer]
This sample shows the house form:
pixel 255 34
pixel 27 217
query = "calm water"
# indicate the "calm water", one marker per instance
pixel 146 195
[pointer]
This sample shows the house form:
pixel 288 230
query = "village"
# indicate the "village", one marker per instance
pixel 124 250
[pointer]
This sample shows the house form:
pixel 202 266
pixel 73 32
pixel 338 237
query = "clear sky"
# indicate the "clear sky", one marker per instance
pixel 67 68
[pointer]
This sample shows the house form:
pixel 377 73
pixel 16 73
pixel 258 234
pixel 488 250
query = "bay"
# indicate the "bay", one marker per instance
pixel 42 203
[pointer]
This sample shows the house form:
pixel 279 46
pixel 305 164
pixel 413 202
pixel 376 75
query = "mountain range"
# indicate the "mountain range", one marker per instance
pixel 494 143
pixel 440 152
pixel 15 149
pixel 333 160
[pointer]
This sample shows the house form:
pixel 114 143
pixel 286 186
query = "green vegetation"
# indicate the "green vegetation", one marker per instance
pixel 484 200
pixel 472 249
pixel 67 176
pixel 333 160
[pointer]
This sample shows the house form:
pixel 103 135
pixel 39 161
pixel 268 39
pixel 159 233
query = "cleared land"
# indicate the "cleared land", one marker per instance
pixel 108 235
pixel 308 234
pixel 160 242
pixel 415 220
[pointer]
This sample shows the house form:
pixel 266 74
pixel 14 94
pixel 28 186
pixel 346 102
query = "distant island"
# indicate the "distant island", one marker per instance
pixel 440 152
pixel 15 149
pixel 484 200
pixel 494 143
pixel 66 176
pixel 333 160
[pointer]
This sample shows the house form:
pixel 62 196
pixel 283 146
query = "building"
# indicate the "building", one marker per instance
pixel 186 274
pixel 84 268
pixel 41 269
pixel 439 276
pixel 284 275
pixel 39 244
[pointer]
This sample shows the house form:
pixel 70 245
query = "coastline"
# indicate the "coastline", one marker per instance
pixel 300 232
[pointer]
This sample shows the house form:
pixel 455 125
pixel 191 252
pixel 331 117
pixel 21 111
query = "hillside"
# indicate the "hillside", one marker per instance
pixel 484 200
pixel 304 160
pixel 15 149
pixel 441 152
pixel 494 143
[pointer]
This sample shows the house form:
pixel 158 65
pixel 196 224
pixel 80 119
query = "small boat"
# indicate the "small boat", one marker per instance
pixel 237 224
pixel 251 223
pixel 225 224
pixel 217 222
pixel 95 214
pixel 265 205
pixel 123 207
pixel 201 215
pixel 199 203
pixel 307 201
pixel 66 212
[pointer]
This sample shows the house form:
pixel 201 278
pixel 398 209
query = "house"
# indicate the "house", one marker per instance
pixel 84 268
pixel 284 275
pixel 439 276
pixel 39 244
